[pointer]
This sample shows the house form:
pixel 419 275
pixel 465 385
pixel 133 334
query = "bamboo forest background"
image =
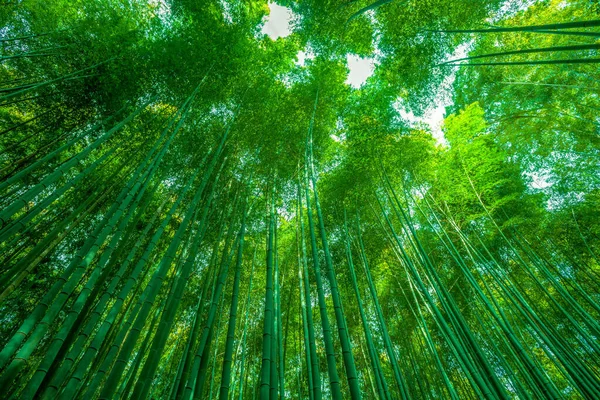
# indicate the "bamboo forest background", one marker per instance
pixel 189 211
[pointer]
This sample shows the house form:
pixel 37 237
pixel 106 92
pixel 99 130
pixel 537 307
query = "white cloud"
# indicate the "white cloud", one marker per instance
pixel 278 22
pixel 302 56
pixel 360 69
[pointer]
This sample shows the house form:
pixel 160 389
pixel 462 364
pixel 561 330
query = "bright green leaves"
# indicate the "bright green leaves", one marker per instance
pixel 476 169
pixel 465 283
pixel 466 126
pixel 543 116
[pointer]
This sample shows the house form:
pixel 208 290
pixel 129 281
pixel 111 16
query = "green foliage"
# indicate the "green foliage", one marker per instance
pixel 185 209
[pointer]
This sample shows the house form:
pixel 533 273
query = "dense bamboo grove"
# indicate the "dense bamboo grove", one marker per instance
pixel 193 209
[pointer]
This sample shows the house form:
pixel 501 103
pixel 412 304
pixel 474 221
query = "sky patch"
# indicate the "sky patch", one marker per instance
pixel 278 22
pixel 303 56
pixel 360 70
